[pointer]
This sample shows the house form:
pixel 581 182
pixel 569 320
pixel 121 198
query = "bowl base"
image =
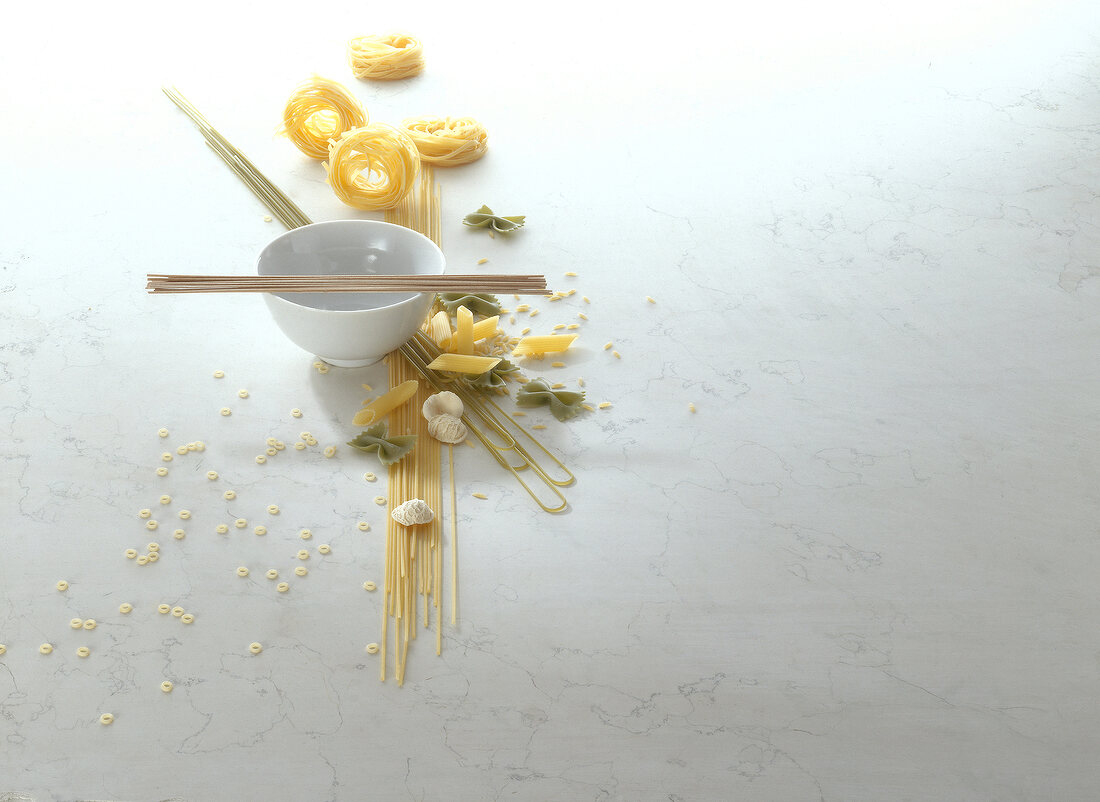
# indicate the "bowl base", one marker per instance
pixel 351 363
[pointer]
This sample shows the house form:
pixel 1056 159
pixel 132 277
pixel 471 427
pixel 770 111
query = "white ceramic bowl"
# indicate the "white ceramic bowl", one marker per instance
pixel 355 328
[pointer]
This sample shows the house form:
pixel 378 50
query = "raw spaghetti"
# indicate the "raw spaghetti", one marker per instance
pixel 447 141
pixel 319 110
pixel 385 57
pixel 414 554
pixel 373 167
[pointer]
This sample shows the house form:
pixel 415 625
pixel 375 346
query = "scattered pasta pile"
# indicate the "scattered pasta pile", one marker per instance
pixel 385 57
pixel 320 110
pixel 447 141
pixel 372 167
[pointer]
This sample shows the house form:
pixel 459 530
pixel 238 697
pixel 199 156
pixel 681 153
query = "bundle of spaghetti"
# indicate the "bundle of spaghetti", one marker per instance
pixel 270 195
pixel 447 141
pixel 420 209
pixel 414 554
pixel 385 57
pixel 319 110
pixel 372 167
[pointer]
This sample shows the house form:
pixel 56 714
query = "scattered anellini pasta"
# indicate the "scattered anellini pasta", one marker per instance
pixel 448 141
pixel 385 57
pixel 372 167
pixel 319 110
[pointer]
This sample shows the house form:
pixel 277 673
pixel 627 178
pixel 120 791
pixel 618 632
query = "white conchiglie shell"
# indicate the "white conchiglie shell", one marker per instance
pixel 412 512
pixel 444 403
pixel 447 428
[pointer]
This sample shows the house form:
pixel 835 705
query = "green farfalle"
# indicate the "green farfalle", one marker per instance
pixel 485 305
pixel 564 404
pixel 495 380
pixel 484 218
pixel 389 449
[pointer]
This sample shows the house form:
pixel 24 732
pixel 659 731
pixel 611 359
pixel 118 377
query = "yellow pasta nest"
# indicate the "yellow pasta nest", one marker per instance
pixel 320 110
pixel 447 141
pixel 373 167
pixel 385 57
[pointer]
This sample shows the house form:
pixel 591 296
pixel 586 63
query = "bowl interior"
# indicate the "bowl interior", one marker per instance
pixel 350 248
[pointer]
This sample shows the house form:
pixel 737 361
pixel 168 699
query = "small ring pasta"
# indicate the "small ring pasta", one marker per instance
pixel 319 110
pixel 447 141
pixel 373 167
pixel 385 57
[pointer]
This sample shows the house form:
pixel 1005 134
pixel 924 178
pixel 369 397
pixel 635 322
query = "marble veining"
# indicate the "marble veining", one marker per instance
pixel 861 569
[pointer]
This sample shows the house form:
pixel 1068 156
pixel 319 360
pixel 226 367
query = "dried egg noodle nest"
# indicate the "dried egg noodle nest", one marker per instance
pixel 373 167
pixel 320 110
pixel 385 57
pixel 447 141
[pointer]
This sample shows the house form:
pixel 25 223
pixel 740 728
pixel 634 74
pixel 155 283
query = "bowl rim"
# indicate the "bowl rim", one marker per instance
pixel 415 297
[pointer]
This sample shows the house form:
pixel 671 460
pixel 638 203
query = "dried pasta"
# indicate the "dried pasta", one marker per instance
pixel 464 363
pixel 447 141
pixel 390 448
pixel 543 344
pixel 386 403
pixel 372 167
pixel 564 404
pixel 385 57
pixel 486 327
pixel 319 110
pixel 414 555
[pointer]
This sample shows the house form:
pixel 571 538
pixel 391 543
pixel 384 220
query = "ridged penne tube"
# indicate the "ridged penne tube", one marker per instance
pixel 463 363
pixel 385 403
pixel 543 344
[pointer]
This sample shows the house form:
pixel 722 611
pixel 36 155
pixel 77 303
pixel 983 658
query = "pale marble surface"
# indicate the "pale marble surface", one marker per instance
pixel 864 569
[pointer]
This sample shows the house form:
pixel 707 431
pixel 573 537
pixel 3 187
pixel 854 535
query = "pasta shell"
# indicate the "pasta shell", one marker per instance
pixel 444 403
pixel 413 512
pixel 447 428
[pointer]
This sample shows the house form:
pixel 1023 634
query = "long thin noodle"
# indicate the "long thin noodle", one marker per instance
pixel 454 536
pixel 414 555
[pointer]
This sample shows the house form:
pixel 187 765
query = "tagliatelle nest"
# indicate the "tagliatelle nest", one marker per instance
pixel 372 167
pixel 447 141
pixel 319 110
pixel 385 57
